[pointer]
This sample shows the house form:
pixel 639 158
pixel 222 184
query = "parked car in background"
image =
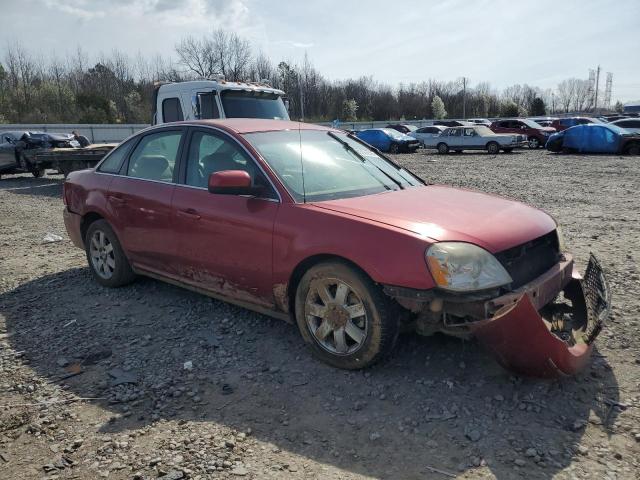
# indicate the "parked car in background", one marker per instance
pixel 310 225
pixel 388 140
pixel 631 124
pixel 402 128
pixel 15 144
pixel 536 134
pixel 453 123
pixel 613 118
pixel 426 133
pixel 543 121
pixel 595 138
pixel 477 137
pixel 480 121
pixel 567 122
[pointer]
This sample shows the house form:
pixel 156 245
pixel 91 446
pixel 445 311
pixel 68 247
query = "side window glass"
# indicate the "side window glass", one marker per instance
pixel 207 106
pixel 155 156
pixel 113 162
pixel 171 110
pixel 469 132
pixel 210 153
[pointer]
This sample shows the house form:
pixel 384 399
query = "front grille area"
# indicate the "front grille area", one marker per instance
pixel 530 260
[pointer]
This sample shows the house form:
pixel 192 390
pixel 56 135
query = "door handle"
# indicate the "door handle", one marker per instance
pixel 189 213
pixel 117 200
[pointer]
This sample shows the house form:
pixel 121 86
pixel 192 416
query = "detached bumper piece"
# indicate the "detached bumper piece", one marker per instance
pixel 556 340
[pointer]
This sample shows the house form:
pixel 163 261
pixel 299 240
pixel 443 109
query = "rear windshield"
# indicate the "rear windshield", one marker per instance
pixel 238 104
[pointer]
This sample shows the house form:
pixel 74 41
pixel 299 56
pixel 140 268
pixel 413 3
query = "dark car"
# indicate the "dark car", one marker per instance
pixel 312 226
pixel 389 140
pixel 537 135
pixel 453 123
pixel 561 124
pixel 595 138
pixel 403 128
pixel 13 143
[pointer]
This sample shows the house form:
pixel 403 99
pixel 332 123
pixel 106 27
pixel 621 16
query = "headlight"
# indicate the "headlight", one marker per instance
pixel 464 267
pixel 561 244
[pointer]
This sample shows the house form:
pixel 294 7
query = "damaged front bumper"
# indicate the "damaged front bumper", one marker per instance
pixel 544 329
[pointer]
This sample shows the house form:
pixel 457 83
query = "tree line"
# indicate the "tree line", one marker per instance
pixel 117 88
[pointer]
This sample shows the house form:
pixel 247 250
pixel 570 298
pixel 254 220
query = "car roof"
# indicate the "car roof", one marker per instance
pixel 255 125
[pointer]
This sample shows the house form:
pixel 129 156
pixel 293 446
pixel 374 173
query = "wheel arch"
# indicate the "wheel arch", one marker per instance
pixel 303 266
pixel 87 219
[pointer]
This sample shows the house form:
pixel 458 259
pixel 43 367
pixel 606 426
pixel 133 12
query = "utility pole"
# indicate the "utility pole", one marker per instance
pixel 464 97
pixel 595 101
pixel 301 87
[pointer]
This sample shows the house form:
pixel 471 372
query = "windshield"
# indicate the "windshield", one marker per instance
pixel 316 165
pixel 531 123
pixel 483 131
pixel 238 104
pixel 396 135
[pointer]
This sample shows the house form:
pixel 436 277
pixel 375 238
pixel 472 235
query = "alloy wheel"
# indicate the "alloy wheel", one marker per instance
pixel 336 316
pixel 102 255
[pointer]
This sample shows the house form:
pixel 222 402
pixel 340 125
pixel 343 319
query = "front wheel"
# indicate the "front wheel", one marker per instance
pixel 393 148
pixel 443 148
pixel 345 318
pixel 107 261
pixel 493 148
pixel 534 142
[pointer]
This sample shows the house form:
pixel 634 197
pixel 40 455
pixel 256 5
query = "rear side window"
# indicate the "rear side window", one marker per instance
pixel 155 156
pixel 113 162
pixel 171 110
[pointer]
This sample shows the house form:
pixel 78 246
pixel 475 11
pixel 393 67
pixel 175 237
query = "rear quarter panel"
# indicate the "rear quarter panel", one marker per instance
pixel 85 192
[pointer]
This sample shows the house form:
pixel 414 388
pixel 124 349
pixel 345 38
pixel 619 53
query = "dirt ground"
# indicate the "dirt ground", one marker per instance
pixel 93 382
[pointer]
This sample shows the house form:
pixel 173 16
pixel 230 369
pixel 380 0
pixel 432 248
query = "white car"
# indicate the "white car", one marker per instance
pixel 426 133
pixel 477 137
pixel 631 124
pixel 480 121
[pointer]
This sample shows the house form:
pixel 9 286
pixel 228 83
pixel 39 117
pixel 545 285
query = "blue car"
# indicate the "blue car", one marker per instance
pixel 388 140
pixel 595 138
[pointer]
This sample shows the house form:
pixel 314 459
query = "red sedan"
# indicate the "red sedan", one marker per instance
pixel 310 225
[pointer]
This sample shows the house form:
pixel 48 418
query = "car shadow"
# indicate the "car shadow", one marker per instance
pixel 438 402
pixel 26 184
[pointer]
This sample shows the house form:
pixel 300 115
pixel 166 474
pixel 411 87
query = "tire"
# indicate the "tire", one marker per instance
pixel 336 336
pixel 36 172
pixel 393 148
pixel 633 149
pixel 443 148
pixel 534 142
pixel 508 150
pixel 493 148
pixel 114 273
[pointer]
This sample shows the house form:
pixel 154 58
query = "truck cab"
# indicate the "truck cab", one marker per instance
pixel 204 99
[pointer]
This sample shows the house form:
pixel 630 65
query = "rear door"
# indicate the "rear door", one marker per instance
pixel 7 152
pixel 455 138
pixel 139 200
pixel 223 242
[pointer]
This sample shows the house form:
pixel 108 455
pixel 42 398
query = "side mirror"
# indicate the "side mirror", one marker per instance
pixel 231 182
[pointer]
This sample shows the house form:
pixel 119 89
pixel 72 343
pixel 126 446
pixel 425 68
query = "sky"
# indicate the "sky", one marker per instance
pixel 497 41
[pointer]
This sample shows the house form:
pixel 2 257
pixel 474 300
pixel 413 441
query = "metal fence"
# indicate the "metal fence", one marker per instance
pixel 96 133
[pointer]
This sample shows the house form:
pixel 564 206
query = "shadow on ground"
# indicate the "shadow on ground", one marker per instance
pixel 437 402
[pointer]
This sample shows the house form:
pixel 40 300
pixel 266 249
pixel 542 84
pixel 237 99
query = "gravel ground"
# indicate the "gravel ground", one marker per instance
pixel 94 382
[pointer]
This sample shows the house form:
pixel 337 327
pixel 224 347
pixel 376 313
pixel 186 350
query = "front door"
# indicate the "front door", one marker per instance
pixel 224 242
pixel 140 201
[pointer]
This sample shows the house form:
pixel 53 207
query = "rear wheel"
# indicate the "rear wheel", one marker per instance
pixel 493 148
pixel 534 142
pixel 345 318
pixel 633 149
pixel 107 261
pixel 393 148
pixel 443 148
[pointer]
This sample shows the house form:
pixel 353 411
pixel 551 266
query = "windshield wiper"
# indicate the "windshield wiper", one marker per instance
pixel 357 154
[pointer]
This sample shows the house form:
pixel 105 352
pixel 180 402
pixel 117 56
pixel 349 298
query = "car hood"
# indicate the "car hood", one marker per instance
pixel 443 213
